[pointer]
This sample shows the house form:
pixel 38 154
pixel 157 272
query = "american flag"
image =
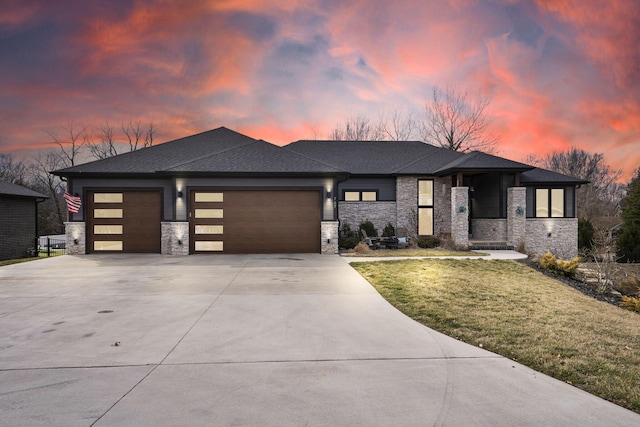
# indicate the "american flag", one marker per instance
pixel 73 202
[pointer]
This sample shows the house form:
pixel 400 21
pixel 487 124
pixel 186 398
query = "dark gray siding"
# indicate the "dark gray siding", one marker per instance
pixel 386 187
pixel 17 226
pixel 80 186
pixel 485 197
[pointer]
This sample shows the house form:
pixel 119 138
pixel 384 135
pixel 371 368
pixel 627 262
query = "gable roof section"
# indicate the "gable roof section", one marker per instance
pixel 478 161
pixel 14 190
pixel 257 157
pixel 547 177
pixel 376 157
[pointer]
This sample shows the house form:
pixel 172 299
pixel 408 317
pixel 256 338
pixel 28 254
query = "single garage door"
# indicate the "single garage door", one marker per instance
pixel 260 221
pixel 123 221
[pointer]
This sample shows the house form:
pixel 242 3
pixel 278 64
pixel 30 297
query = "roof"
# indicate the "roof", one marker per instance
pixel 477 161
pixel 543 176
pixel 256 157
pixel 9 189
pixel 216 151
pixel 223 151
pixel 377 157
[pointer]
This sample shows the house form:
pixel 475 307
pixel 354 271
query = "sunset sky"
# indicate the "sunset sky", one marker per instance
pixel 560 73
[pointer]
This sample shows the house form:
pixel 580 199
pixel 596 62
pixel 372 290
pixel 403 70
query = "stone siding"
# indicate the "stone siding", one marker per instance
pixel 174 238
pixel 76 231
pixel 516 219
pixel 329 236
pixel 557 235
pixel 489 229
pixel 407 198
pixel 460 216
pixel 379 213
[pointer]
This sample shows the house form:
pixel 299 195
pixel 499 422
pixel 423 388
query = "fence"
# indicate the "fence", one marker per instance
pixel 49 246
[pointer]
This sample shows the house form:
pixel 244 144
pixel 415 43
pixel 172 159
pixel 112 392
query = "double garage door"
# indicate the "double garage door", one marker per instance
pixel 243 221
pixel 220 221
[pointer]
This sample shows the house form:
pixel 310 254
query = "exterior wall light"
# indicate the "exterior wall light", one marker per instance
pixel 179 194
pixel 520 210
pixel 462 209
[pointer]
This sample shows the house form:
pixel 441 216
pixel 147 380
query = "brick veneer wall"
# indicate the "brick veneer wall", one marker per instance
pixel 489 229
pixel 460 220
pixel 516 222
pixel 379 213
pixel 407 198
pixel 557 235
pixel 17 227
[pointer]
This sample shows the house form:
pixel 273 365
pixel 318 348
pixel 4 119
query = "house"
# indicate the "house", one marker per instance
pixel 223 192
pixel 18 220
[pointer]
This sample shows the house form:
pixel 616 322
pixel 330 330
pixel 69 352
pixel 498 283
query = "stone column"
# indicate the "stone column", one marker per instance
pixel 516 216
pixel 75 232
pixel 175 238
pixel 460 216
pixel 329 236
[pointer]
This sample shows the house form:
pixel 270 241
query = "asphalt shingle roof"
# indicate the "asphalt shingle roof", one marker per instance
pixel 223 151
pixel 257 157
pixel 543 176
pixel 9 189
pixel 376 157
pixel 479 161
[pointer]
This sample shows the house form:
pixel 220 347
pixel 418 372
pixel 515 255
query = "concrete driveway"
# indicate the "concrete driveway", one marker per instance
pixel 257 340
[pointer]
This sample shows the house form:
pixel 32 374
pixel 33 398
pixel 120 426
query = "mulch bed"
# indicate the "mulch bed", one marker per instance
pixel 579 285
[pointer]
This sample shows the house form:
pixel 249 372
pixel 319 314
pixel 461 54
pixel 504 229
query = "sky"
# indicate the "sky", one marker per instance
pixel 559 73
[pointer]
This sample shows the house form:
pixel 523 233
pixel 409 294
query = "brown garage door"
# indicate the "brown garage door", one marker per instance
pixel 243 221
pixel 123 221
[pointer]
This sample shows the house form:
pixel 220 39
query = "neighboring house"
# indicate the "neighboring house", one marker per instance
pixel 223 192
pixel 18 220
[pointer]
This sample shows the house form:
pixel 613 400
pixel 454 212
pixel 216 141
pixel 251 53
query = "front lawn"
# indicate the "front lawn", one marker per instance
pixel 512 310
pixel 413 253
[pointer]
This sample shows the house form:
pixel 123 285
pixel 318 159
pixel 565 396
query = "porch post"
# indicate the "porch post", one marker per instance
pixel 460 216
pixel 516 216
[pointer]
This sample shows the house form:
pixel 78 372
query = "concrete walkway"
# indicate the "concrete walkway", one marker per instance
pixel 255 340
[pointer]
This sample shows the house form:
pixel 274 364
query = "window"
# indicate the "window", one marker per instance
pixel 361 196
pixel 549 203
pixel 209 213
pixel 425 207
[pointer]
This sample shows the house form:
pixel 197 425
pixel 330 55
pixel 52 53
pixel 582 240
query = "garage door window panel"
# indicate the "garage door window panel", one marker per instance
pixel 107 229
pixel 107 245
pixel 107 213
pixel 107 198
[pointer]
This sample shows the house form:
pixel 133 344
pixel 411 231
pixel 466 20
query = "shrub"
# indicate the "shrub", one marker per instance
pixel 630 303
pixel 629 286
pixel 586 233
pixel 557 266
pixel 347 238
pixel 427 242
pixel 389 230
pixel 368 227
pixel 361 248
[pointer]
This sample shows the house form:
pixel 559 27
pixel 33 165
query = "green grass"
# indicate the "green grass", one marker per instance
pixel 515 311
pixel 413 253
pixel 17 261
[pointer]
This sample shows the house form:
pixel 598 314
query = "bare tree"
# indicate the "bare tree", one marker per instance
pixel 51 212
pixel 137 136
pixel 458 121
pixel 397 125
pixel 356 128
pixel 602 196
pixel 15 172
pixel 72 143
pixel 105 146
